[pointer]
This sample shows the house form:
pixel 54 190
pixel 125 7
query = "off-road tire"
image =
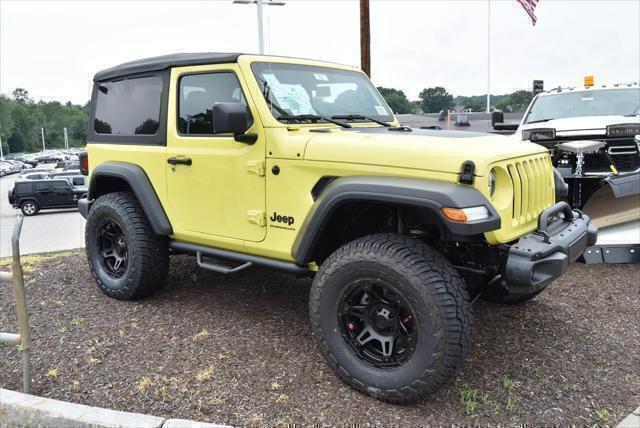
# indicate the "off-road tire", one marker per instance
pixel 438 298
pixel 26 211
pixel 498 292
pixel 148 262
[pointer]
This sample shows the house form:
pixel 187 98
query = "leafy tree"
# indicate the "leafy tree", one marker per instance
pixel 396 99
pixel 435 99
pixel 515 102
pixel 21 95
pixel 21 119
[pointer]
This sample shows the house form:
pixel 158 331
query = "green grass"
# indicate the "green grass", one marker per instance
pixel 469 397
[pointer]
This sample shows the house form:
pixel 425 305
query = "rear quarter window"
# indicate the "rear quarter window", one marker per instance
pixel 129 110
pixel 23 187
pixel 128 107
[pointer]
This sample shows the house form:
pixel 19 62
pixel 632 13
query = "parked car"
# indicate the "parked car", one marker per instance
pixel 31 196
pixel 43 171
pixel 301 166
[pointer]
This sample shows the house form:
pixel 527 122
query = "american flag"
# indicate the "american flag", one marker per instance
pixel 529 6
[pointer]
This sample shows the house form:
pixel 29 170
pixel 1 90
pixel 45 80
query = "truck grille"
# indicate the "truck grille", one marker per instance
pixel 533 191
pixel 624 153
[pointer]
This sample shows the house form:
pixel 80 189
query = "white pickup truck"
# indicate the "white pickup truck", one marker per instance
pixel 593 135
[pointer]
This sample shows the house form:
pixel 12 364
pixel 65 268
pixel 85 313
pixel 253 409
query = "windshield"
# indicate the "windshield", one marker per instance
pixel 294 90
pixel 622 102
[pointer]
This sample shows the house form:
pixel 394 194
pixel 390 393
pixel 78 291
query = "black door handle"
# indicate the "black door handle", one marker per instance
pixel 179 161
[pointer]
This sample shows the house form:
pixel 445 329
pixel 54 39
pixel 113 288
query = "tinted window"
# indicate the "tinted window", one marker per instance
pixel 60 185
pixel 128 107
pixel 23 187
pixel 78 181
pixel 198 93
pixel 43 186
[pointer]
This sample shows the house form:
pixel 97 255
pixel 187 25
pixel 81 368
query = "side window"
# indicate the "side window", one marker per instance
pixel 60 185
pixel 78 181
pixel 198 94
pixel 43 186
pixel 129 106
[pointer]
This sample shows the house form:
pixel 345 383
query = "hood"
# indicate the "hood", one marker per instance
pixel 587 125
pixel 432 150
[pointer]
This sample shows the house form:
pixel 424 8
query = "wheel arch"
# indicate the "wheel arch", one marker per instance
pixel 412 196
pixel 112 177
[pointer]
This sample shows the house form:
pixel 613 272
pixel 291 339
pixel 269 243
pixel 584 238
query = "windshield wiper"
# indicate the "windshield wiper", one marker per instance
pixel 540 120
pixel 313 117
pixel 361 117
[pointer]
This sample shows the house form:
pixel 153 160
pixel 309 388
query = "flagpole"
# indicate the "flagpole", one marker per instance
pixel 488 56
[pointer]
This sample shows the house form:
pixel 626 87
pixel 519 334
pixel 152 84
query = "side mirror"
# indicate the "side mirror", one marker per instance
pixel 230 118
pixel 233 118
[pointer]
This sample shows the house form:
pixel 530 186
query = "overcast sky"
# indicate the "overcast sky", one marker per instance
pixel 53 48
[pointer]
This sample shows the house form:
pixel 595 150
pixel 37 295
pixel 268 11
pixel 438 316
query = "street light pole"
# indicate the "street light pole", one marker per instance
pixel 488 56
pixel 66 139
pixel 42 133
pixel 259 4
pixel 260 30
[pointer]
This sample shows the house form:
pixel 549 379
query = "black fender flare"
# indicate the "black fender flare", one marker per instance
pixel 142 188
pixel 430 194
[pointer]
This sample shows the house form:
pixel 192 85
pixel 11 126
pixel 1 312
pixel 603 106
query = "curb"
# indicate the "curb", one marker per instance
pixel 18 410
pixel 631 421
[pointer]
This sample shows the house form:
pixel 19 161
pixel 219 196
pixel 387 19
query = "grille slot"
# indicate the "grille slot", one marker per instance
pixel 532 189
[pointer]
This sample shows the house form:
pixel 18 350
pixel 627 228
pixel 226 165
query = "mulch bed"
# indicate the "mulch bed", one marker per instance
pixel 238 350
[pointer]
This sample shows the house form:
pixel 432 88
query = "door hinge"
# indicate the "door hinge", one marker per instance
pixel 257 217
pixel 256 167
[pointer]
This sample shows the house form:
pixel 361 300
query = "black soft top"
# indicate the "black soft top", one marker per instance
pixel 163 62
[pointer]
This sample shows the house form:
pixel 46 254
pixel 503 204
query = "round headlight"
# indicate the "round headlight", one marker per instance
pixel 492 182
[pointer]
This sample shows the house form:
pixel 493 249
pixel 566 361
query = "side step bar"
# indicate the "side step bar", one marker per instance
pixel 247 260
pixel 220 268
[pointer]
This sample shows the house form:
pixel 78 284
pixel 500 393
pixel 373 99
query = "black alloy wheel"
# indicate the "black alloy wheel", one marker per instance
pixel 112 246
pixel 377 323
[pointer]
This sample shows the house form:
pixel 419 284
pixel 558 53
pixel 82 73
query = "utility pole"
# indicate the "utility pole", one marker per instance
pixel 42 133
pixel 66 140
pixel 365 38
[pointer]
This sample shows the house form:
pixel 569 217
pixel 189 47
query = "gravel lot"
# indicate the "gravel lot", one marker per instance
pixel 238 350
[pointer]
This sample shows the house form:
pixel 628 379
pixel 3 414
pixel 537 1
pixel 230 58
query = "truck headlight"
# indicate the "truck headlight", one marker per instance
pixel 492 182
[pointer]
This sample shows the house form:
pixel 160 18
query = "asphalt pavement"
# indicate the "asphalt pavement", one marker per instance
pixel 49 230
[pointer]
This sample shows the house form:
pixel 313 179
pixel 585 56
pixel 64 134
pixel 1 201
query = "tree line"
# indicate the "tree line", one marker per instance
pixel 435 99
pixel 21 119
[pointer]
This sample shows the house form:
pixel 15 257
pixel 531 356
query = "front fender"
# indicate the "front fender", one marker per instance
pixel 430 194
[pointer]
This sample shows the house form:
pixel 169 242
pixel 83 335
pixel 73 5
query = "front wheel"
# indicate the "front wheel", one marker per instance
pixel 126 258
pixel 392 317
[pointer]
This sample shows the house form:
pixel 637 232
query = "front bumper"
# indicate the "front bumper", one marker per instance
pixel 542 256
pixel 83 206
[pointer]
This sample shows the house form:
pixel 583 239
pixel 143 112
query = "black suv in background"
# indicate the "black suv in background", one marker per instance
pixel 33 195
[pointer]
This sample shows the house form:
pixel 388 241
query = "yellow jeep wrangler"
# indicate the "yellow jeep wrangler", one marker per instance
pixel 300 166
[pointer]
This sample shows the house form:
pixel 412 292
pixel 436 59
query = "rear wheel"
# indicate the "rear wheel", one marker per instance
pixel 392 317
pixel 29 208
pixel 126 258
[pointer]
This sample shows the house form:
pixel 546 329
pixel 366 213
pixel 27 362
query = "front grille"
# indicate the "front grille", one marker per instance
pixel 532 188
pixel 532 191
